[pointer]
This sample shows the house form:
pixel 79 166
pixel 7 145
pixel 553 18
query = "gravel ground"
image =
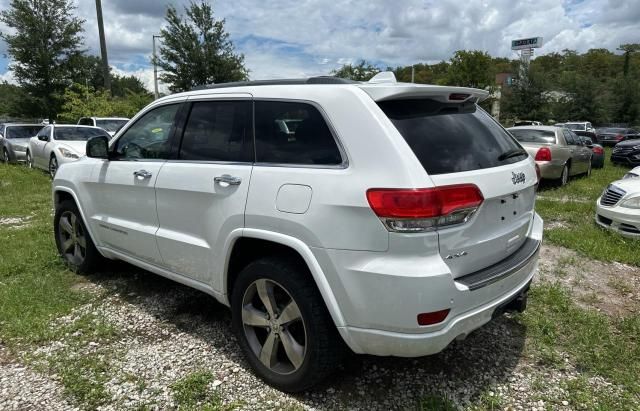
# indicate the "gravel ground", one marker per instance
pixel 164 332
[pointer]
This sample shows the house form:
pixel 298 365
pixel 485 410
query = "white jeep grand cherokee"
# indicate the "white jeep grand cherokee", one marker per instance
pixel 388 218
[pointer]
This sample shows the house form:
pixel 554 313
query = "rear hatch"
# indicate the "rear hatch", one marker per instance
pixel 459 143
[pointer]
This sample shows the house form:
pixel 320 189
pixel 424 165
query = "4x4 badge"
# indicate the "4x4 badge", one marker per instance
pixel 518 178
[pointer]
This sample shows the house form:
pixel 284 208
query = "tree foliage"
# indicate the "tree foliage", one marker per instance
pixel 80 101
pixel 363 71
pixel 45 42
pixel 196 50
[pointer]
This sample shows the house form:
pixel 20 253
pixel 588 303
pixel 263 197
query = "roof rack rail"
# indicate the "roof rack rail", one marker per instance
pixel 283 82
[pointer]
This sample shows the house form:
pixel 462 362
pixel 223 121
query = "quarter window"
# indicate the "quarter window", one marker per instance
pixel 218 131
pixel 149 137
pixel 293 133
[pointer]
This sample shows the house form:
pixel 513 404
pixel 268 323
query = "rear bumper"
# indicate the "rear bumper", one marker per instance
pixel 391 304
pixel 550 170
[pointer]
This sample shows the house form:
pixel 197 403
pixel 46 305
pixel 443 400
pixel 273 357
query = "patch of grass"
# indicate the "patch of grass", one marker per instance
pixel 34 284
pixel 620 285
pixel 597 344
pixel 193 393
pixel 437 403
pixel 488 401
pixel 84 378
pixel 582 234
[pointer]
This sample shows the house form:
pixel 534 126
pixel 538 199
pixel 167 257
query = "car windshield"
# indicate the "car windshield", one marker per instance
pixel 22 131
pixel 613 130
pixel 77 133
pixel 452 137
pixel 111 125
pixel 534 136
pixel 576 126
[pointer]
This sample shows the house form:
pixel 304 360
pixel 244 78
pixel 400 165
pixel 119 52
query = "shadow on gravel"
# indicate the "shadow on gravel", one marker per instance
pixel 462 373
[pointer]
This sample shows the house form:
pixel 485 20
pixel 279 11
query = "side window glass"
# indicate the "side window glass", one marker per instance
pixel 218 131
pixel 149 137
pixel 568 138
pixel 45 132
pixel 293 133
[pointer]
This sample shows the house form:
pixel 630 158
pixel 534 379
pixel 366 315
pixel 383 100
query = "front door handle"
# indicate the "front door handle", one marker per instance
pixel 142 174
pixel 228 179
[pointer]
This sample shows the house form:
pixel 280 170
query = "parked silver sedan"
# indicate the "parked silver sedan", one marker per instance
pixel 559 152
pixel 14 140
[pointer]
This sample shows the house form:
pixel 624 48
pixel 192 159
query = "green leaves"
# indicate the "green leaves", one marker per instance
pixel 196 50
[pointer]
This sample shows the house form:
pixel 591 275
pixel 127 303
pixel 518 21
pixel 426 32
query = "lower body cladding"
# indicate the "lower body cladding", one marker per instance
pixel 381 308
pixel 625 221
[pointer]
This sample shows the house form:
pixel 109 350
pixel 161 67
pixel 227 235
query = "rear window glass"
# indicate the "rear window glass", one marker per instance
pixel 451 137
pixel 612 130
pixel 534 136
pixel 22 131
pixel 77 133
pixel 576 126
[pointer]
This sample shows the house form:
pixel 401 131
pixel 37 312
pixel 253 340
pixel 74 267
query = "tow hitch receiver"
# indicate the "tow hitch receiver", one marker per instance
pixel 516 304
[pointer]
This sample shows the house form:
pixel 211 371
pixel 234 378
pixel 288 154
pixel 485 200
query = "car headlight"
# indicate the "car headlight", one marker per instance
pixel 629 175
pixel 68 153
pixel 633 202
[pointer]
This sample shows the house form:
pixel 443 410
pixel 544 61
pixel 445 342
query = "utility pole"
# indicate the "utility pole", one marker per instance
pixel 413 73
pixel 155 69
pixel 103 47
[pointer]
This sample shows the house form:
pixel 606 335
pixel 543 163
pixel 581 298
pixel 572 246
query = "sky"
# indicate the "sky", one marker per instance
pixel 302 38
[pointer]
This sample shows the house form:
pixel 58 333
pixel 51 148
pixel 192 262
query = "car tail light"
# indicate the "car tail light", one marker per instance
pixel 598 150
pixel 619 137
pixel 433 317
pixel 543 154
pixel 424 209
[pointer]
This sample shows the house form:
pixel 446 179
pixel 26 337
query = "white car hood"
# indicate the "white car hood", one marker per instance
pixel 630 185
pixel 79 147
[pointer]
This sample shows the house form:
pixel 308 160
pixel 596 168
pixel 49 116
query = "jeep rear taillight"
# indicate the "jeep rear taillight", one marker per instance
pixel 543 154
pixel 424 209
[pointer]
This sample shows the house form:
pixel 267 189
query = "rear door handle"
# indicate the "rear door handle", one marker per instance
pixel 228 179
pixel 142 174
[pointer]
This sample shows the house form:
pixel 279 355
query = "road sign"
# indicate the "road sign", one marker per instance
pixel 520 44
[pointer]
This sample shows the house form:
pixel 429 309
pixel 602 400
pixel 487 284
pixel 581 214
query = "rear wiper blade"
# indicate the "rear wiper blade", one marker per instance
pixel 511 153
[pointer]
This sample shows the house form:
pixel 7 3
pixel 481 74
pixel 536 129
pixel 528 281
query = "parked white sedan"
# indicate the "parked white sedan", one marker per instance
pixel 618 208
pixel 57 144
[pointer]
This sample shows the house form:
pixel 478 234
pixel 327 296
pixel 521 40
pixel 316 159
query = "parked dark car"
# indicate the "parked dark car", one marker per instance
pixel 614 135
pixel 627 153
pixel 597 160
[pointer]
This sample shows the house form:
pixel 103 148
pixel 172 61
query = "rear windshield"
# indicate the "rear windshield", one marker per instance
pixel 576 126
pixel 78 133
pixel 112 125
pixel 534 136
pixel 613 130
pixel 22 131
pixel 451 137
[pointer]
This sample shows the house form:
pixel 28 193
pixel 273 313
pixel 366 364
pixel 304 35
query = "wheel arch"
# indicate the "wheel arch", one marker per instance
pixel 62 193
pixel 250 244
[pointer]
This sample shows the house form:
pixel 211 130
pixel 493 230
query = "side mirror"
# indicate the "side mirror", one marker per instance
pixel 98 147
pixel 43 138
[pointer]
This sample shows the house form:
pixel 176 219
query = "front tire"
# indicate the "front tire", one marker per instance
pixel 29 160
pixel 283 326
pixel 53 166
pixel 73 241
pixel 5 156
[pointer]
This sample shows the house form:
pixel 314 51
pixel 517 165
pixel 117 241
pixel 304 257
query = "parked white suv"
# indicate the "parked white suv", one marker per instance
pixel 393 219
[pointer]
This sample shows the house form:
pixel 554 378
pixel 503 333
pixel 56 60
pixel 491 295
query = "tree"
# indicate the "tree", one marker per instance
pixel 47 39
pixel 196 50
pixel 524 99
pixel 471 69
pixel 628 50
pixel 363 71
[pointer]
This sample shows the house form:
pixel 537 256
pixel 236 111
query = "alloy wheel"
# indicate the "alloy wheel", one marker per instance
pixel 274 327
pixel 565 175
pixel 29 160
pixel 5 156
pixel 73 241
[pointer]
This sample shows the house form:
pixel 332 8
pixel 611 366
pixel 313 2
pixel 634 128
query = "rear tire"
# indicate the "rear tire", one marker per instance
pixel 73 241
pixel 564 177
pixel 291 355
